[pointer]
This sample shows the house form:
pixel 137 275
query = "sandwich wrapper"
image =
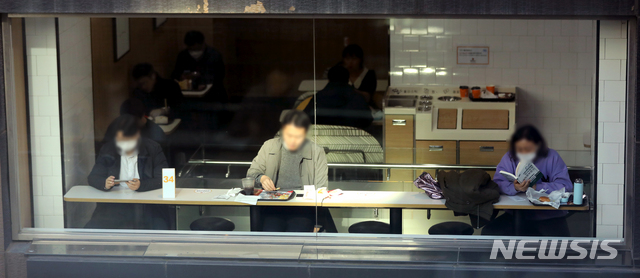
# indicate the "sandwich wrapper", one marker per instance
pixel 554 196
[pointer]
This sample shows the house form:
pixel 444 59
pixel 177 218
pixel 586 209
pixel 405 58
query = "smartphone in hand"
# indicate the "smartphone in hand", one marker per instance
pixel 120 181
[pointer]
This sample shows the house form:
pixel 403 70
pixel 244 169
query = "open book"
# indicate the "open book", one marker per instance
pixel 524 171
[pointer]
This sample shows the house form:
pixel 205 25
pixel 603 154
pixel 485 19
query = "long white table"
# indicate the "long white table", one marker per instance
pixel 394 200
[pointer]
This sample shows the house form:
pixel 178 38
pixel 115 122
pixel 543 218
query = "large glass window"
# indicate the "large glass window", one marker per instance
pixel 378 126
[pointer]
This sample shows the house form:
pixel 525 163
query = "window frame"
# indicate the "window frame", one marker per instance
pixel 20 232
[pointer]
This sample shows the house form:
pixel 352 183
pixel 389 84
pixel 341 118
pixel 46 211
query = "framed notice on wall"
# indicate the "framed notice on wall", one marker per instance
pixel 473 55
pixel 121 37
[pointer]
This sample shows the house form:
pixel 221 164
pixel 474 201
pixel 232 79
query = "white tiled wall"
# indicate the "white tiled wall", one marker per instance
pixel 74 35
pixel 44 117
pixel 611 128
pixel 551 61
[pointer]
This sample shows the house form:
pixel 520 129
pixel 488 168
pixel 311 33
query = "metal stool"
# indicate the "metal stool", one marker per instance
pixel 212 224
pixel 370 227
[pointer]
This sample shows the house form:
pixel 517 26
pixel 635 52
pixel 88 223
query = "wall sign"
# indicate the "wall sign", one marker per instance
pixel 473 55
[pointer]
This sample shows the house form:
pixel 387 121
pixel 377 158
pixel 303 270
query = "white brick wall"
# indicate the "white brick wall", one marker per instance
pixel 611 128
pixel 552 61
pixel 44 117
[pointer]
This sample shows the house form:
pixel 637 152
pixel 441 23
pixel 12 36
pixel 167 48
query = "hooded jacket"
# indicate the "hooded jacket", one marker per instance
pixel 313 166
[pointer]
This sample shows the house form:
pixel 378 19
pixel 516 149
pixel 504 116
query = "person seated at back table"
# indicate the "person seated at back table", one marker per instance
pixel 155 91
pixel 138 163
pixel 527 144
pixel 362 79
pixel 339 104
pixel 148 129
pixel 288 163
pixel 202 64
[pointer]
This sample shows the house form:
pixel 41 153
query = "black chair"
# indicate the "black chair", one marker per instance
pixel 212 224
pixel 451 228
pixel 370 227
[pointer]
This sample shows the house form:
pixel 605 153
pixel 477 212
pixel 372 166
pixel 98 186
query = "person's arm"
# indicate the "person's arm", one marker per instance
pixel 159 161
pixel 321 168
pixel 258 165
pixel 506 186
pixel 558 178
pixel 100 173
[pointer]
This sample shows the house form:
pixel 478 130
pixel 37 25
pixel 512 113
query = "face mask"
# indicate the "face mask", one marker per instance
pixel 526 156
pixel 195 54
pixel 126 146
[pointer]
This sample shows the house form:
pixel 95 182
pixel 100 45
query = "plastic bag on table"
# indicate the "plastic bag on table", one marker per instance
pixel 430 185
pixel 554 197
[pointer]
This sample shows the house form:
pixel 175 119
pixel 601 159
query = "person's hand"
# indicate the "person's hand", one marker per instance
pixel 109 182
pixel 521 187
pixel 134 184
pixel 267 183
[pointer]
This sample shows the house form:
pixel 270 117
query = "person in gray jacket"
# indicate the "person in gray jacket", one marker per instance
pixel 288 163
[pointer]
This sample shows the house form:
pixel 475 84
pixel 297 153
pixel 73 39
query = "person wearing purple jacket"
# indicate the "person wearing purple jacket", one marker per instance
pixel 527 144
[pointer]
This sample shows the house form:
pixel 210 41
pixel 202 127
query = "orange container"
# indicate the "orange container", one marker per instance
pixel 476 92
pixel 491 88
pixel 464 91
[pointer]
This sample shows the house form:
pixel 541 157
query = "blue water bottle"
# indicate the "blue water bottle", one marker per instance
pixel 578 188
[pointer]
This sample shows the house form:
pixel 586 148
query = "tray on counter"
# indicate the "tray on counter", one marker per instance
pixel 510 98
pixel 270 195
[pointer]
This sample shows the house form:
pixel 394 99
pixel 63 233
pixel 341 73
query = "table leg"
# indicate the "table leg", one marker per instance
pixel 254 218
pixel 395 220
pixel 518 222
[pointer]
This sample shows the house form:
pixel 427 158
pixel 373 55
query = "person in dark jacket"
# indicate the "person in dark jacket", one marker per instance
pixel 202 64
pixel 137 162
pixel 148 129
pixel 155 91
pixel 339 104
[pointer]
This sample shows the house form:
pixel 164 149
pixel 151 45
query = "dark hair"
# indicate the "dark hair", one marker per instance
pixel 354 50
pixel 193 37
pixel 134 107
pixel 128 124
pixel 142 70
pixel 297 118
pixel 530 133
pixel 338 74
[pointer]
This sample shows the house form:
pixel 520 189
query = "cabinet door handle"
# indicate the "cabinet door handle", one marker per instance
pixel 486 148
pixel 399 122
pixel 435 148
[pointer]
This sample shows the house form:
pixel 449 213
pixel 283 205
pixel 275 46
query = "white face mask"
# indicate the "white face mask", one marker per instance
pixel 526 156
pixel 127 146
pixel 195 54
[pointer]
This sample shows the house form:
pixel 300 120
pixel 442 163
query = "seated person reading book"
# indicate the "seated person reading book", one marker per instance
pixel 528 147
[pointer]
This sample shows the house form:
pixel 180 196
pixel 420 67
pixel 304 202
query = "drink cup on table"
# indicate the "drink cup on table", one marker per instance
pixel 248 185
